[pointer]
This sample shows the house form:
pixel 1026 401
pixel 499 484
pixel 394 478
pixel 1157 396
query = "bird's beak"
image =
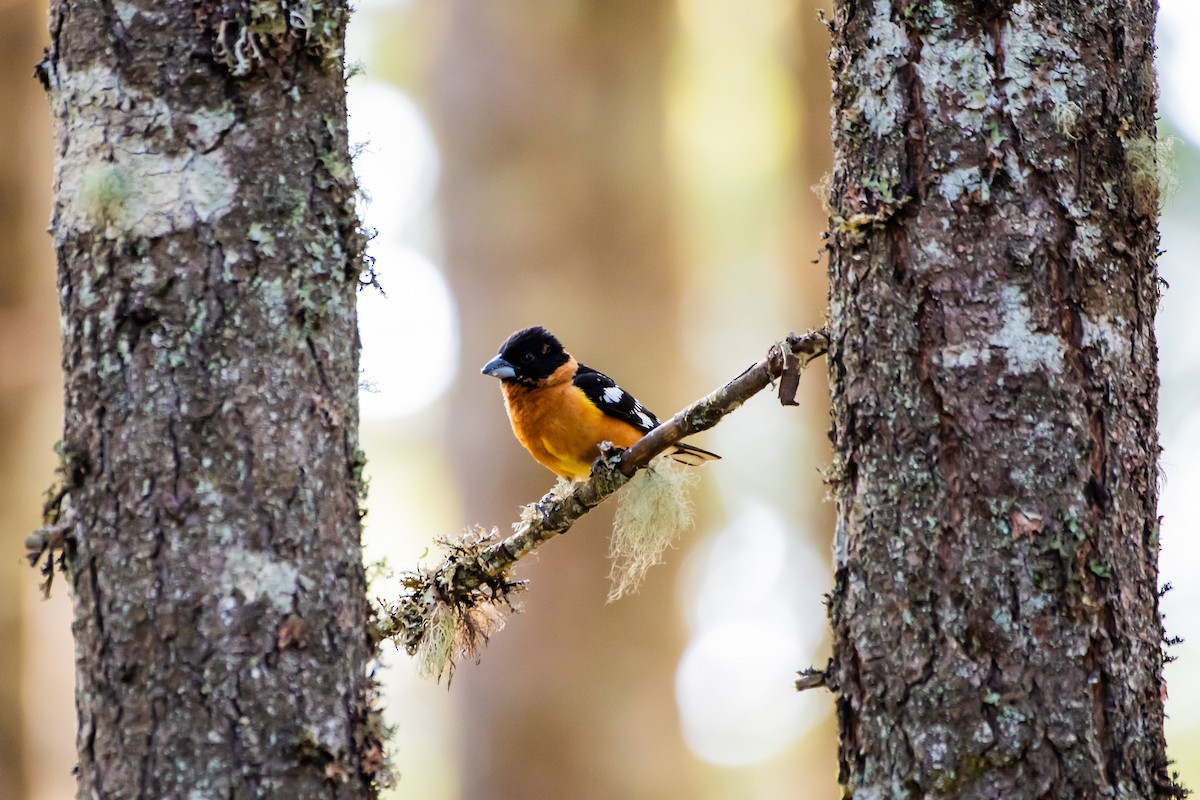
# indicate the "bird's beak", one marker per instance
pixel 499 368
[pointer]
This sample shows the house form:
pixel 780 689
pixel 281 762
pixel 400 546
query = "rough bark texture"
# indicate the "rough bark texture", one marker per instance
pixel 208 264
pixel 994 386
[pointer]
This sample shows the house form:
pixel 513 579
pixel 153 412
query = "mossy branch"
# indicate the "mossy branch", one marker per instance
pixel 446 610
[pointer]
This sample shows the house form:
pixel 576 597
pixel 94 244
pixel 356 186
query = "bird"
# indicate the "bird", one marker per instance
pixel 561 410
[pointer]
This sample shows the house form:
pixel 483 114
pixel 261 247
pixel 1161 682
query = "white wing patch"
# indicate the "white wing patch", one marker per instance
pixel 614 401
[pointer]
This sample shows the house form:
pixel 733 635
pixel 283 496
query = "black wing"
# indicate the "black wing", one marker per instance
pixel 620 404
pixel 613 400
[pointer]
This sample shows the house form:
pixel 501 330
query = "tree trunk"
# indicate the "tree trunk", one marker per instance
pixel 208 264
pixel 994 387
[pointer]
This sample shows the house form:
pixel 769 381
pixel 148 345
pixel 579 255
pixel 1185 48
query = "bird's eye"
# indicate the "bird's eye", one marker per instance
pixel 527 357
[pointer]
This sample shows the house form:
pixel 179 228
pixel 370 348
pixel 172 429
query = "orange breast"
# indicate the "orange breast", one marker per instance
pixel 560 428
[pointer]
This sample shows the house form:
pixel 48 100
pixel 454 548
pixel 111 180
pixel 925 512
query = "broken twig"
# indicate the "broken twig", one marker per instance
pixel 811 678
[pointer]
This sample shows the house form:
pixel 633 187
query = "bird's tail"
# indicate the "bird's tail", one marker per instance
pixel 691 455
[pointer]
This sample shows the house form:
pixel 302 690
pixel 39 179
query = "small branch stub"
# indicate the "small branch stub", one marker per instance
pixel 446 612
pixel 789 381
pixel 811 678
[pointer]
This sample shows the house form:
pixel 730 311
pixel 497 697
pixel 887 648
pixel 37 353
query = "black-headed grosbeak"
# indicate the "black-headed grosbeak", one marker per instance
pixel 561 410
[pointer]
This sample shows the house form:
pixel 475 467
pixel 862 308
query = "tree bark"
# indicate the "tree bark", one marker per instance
pixel 208 262
pixel 994 387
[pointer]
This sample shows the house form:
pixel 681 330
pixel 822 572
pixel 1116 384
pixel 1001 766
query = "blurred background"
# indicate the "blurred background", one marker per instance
pixel 635 175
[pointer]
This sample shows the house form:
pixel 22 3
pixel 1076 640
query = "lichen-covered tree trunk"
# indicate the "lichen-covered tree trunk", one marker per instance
pixel 993 366
pixel 208 264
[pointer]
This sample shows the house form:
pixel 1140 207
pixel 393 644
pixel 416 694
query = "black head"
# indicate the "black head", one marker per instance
pixel 528 356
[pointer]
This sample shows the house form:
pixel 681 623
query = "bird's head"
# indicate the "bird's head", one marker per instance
pixel 529 357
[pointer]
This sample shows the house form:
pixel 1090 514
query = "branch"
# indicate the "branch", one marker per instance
pixel 474 577
pixel 813 678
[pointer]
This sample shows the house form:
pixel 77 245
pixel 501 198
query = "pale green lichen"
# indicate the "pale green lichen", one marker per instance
pixel 264 240
pixel 1042 70
pixel 439 623
pixel 651 512
pixel 957 79
pixel 252 38
pixel 103 192
pixel 955 183
pixel 853 229
pixel 1111 198
pixel 258 576
pixel 338 169
pixel 126 12
pixel 274 300
pixel 1088 243
pixel 1066 118
pixel 1025 349
pixel 434 654
pixel 1151 163
pixel 881 98
pixel 1108 335
pixel 932 17
pixel 209 125
pixel 126 186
